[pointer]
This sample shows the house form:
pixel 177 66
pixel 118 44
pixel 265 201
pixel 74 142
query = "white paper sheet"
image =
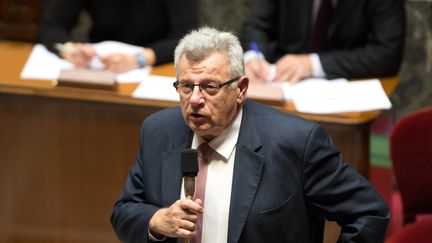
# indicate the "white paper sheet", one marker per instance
pixel 312 87
pixel 133 76
pixel 157 88
pixel 44 65
pixel 321 96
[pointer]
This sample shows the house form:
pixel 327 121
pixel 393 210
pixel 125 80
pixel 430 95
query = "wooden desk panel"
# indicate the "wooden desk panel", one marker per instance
pixel 64 163
pixel 19 19
pixel 65 153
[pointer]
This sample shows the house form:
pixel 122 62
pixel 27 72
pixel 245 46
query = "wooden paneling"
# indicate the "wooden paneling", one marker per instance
pixel 63 164
pixel 19 19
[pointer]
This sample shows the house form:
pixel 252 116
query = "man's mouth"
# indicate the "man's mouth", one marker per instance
pixel 196 115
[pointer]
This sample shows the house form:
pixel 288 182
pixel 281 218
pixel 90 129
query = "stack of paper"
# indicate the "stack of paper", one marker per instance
pixel 157 88
pixel 43 65
pixel 321 96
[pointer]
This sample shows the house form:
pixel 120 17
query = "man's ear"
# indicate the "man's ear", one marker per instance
pixel 243 85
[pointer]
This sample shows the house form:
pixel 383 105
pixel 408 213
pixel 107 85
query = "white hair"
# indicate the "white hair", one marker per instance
pixel 200 43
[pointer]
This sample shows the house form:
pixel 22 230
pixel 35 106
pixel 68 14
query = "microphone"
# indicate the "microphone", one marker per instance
pixel 189 167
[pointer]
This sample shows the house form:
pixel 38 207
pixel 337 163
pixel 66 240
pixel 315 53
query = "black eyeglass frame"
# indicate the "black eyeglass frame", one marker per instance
pixel 203 86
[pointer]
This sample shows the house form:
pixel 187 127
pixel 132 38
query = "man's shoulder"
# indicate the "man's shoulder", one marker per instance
pixel 166 117
pixel 269 122
pixel 166 112
pixel 264 112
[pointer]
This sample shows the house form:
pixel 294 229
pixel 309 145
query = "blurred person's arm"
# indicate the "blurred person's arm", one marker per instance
pixel 256 67
pixel 77 53
pixel 59 18
pixel 380 49
pixel 183 17
pixel 121 62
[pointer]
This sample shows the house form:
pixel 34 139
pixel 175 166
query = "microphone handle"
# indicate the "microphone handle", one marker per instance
pixel 189 190
pixel 189 186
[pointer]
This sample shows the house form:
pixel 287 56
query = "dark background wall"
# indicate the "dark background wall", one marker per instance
pixel 415 88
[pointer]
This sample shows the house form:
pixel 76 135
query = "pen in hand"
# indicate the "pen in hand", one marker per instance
pixel 263 71
pixel 255 48
pixel 77 53
pixel 259 70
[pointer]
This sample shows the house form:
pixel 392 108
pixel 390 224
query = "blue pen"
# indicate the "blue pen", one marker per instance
pixel 254 47
pixel 260 57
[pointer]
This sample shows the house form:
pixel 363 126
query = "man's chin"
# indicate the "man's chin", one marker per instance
pixel 201 129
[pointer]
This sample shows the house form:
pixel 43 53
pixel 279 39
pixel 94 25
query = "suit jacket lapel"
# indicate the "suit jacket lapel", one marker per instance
pixel 171 171
pixel 247 175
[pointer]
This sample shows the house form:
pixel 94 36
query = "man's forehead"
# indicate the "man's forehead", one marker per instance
pixel 215 63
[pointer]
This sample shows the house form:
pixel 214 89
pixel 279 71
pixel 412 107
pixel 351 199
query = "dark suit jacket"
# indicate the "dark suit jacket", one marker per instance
pixel 288 177
pixel 366 37
pixel 157 24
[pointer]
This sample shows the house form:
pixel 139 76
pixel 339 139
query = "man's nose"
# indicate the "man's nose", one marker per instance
pixel 196 96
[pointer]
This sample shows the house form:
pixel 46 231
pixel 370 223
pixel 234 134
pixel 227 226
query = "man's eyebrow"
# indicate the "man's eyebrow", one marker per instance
pixel 206 80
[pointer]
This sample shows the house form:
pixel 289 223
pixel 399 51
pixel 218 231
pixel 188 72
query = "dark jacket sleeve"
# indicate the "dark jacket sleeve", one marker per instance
pixel 183 17
pixel 143 193
pixel 132 212
pixel 382 51
pixel 261 27
pixel 336 191
pixel 58 20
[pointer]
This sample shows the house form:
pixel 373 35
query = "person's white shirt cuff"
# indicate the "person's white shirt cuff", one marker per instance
pixel 252 55
pixel 152 238
pixel 317 69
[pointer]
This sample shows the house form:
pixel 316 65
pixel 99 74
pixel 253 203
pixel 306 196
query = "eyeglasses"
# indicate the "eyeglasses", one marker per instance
pixel 211 88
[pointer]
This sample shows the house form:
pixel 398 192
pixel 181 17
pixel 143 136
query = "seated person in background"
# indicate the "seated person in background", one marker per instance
pixel 323 39
pixel 155 25
pixel 268 176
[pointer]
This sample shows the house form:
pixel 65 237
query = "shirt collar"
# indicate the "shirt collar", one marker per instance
pixel 225 143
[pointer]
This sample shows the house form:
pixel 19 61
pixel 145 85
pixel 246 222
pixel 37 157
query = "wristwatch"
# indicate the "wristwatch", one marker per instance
pixel 140 59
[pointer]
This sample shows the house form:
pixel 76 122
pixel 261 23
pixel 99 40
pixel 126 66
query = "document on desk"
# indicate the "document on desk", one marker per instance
pixel 44 65
pixel 321 96
pixel 155 87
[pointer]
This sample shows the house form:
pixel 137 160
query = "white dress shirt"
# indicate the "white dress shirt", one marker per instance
pixel 219 182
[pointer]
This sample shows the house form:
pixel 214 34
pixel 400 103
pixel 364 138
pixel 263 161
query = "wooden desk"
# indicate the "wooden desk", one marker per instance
pixel 65 152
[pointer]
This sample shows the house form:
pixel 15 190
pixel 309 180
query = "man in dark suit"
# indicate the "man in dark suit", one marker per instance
pixel 361 39
pixel 271 176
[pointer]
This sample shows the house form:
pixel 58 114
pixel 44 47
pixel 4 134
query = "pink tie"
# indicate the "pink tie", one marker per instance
pixel 203 151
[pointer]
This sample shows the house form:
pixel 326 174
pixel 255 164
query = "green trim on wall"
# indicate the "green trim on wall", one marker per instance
pixel 379 149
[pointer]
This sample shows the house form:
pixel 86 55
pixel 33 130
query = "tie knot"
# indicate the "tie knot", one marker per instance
pixel 204 150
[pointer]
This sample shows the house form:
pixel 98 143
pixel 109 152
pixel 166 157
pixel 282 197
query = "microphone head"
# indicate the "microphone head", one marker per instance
pixel 189 162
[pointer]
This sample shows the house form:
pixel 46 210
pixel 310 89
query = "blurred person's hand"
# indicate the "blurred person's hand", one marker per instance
pixel 119 62
pixel 77 53
pixel 293 68
pixel 257 70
